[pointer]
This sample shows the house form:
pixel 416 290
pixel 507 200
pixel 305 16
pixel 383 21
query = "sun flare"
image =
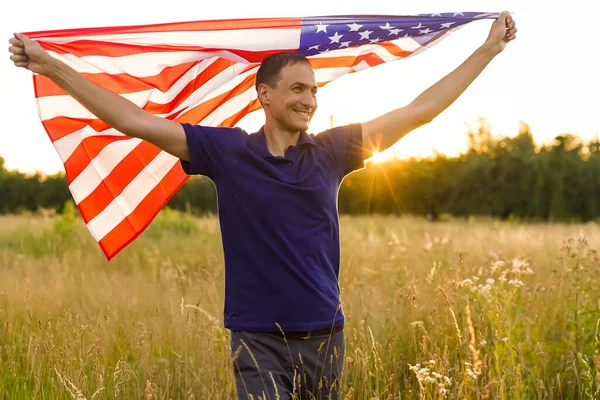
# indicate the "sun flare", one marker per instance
pixel 379 157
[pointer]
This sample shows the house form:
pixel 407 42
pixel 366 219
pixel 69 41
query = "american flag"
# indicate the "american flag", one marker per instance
pixel 200 72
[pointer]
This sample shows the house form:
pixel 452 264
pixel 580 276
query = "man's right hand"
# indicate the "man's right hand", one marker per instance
pixel 113 109
pixel 28 54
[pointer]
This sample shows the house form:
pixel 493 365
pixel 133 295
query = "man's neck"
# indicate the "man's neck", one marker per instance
pixel 278 139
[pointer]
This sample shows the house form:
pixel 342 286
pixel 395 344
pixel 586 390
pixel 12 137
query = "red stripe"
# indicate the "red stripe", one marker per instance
pixel 234 119
pixel 196 114
pixel 350 61
pixel 117 180
pixel 85 48
pixel 59 127
pixel 87 150
pixel 213 25
pixel 131 227
pixel 209 73
pixel 395 49
pixel 120 83
pixel 88 47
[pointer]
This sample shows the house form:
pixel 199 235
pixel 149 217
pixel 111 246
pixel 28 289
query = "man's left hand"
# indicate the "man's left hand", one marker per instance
pixel 503 31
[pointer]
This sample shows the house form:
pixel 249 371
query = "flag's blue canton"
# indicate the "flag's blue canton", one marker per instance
pixel 322 34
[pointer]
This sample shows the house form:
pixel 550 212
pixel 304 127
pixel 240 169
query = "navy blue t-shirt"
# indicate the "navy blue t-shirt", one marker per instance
pixel 279 223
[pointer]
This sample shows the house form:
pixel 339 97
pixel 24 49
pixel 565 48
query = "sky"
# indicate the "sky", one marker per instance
pixel 547 77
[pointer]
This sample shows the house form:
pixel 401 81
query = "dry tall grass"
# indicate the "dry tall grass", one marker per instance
pixel 458 309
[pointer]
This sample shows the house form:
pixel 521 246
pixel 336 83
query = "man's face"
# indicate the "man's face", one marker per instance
pixel 293 102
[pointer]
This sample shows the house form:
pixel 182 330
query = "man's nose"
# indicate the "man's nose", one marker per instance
pixel 308 100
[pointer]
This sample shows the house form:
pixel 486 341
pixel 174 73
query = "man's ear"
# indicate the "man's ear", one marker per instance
pixel 263 93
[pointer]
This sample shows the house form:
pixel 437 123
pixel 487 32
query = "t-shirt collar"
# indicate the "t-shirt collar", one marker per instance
pixel 260 143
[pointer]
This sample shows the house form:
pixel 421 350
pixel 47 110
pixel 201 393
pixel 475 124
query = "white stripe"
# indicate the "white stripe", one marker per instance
pixel 221 83
pixel 230 107
pixel 325 75
pixel 67 106
pixel 406 44
pixel 125 203
pixel 66 145
pixel 137 65
pixel 100 167
pixel 238 39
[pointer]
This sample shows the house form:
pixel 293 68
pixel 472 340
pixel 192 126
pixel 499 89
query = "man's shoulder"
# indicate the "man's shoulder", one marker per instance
pixel 215 130
pixel 348 131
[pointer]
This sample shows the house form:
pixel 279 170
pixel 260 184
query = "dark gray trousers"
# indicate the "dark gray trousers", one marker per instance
pixel 269 367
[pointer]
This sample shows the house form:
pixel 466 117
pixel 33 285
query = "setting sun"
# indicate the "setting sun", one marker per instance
pixel 380 157
pixel 377 157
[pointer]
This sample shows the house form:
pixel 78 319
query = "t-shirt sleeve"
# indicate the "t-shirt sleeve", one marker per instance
pixel 344 145
pixel 210 148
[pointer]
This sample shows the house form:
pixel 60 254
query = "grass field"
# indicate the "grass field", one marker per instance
pixel 465 309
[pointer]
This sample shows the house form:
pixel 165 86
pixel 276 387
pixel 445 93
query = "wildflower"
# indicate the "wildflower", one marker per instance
pixel 496 265
pixel 472 374
pixel 519 265
pixel 485 290
pixel 466 282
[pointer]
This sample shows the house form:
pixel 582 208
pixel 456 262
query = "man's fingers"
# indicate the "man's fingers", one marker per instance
pixel 16 42
pixel 16 50
pixel 18 58
pixel 21 64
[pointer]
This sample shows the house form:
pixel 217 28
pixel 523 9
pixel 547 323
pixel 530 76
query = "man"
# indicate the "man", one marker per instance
pixel 277 191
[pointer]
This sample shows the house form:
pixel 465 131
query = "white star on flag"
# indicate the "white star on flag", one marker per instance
pixel 354 27
pixel 365 35
pixel 335 38
pixel 322 28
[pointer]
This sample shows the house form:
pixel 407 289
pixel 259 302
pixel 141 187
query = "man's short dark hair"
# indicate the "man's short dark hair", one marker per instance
pixel 269 69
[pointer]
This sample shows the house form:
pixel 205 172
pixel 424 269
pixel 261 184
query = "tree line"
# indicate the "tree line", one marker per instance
pixel 502 177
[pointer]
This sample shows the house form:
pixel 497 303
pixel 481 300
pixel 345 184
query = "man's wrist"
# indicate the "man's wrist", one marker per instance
pixel 490 50
pixel 52 67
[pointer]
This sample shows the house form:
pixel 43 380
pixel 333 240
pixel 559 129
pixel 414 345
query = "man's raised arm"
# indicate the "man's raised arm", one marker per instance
pixel 113 109
pixel 382 132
